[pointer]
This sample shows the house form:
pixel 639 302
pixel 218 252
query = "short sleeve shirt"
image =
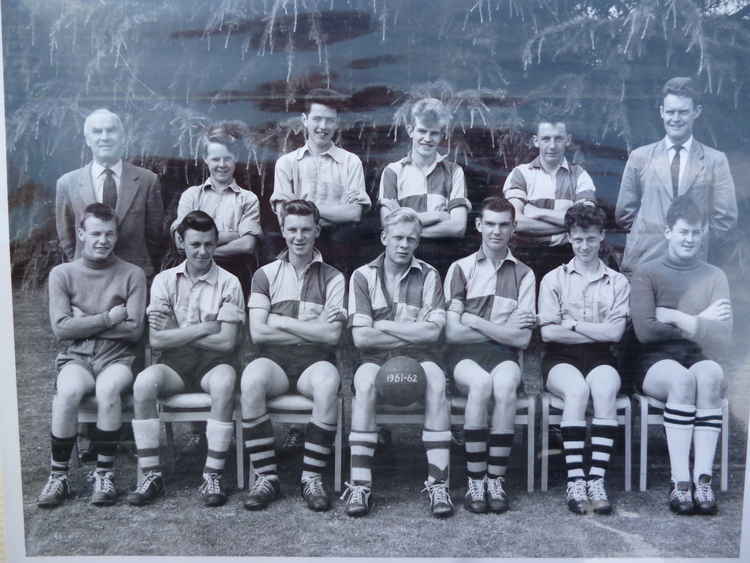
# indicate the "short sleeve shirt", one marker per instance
pixel 214 296
pixel 232 208
pixel 600 299
pixel 277 289
pixel 418 298
pixel 530 183
pixel 327 178
pixel 441 187
pixel 474 285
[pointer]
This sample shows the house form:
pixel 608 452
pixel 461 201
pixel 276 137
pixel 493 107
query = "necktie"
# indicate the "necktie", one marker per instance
pixel 109 189
pixel 675 169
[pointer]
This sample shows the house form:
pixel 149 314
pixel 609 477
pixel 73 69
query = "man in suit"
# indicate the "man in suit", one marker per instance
pixel 134 193
pixel 656 174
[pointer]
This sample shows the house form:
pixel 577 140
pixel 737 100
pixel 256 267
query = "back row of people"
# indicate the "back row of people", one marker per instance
pixel 397 306
pixel 424 180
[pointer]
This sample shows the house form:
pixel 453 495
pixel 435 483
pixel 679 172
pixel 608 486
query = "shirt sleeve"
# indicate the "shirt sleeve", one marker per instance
pixel 360 306
pixel 283 187
pixel 433 301
pixel 388 194
pixel 715 336
pixel 356 182
pixel 160 295
pixel 550 298
pixel 585 188
pixel 335 296
pixel 527 293
pixel 458 190
pixel 515 185
pixel 232 308
pixel 620 308
pixel 249 223
pixel 455 289
pixel 260 291
pixel 643 311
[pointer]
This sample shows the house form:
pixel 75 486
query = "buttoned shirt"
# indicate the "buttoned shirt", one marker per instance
pixel 475 285
pixel 601 298
pixel 531 183
pixel 231 208
pixel 440 187
pixel 214 296
pixel 278 289
pixel 98 176
pixel 418 296
pixel 684 153
pixel 331 177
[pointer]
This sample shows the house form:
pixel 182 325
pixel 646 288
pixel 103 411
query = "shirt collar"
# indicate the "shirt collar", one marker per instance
pixel 317 256
pixel 211 277
pixel 686 145
pixel 602 272
pixel 333 151
pixel 379 263
pixel 537 163
pixel 508 257
pixel 97 169
pixel 210 184
pixel 438 159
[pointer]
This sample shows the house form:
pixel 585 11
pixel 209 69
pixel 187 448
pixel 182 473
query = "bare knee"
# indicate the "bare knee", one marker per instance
pixel 505 383
pixel 604 384
pixel 146 386
pixel 682 388
pixel 364 382
pixel 253 381
pixel 709 378
pixel 435 382
pixel 69 396
pixel 480 386
pixel 222 384
pixel 326 383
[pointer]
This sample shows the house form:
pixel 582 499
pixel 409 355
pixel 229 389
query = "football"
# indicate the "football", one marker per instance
pixel 401 381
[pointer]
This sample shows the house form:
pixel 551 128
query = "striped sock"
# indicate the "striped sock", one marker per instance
pixel 678 425
pixel 318 446
pixel 61 450
pixel 258 438
pixel 362 446
pixel 500 446
pixel 475 448
pixel 705 437
pixel 437 444
pixel 603 432
pixel 219 438
pixel 574 439
pixel 146 434
pixel 105 443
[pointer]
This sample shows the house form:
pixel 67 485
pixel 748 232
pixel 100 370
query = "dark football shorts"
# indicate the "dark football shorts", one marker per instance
pixel 95 355
pixel 487 354
pixel 583 357
pixel 294 360
pixel 683 352
pixel 192 364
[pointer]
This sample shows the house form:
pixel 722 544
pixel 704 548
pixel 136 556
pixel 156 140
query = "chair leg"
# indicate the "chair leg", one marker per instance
pixel 644 443
pixel 725 446
pixel 170 446
pixel 530 434
pixel 545 443
pixel 338 447
pixel 240 450
pixel 628 447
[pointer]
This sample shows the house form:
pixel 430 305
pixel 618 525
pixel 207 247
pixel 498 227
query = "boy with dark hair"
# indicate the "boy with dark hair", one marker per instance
pixel 682 316
pixel 195 313
pixel 491 301
pixel 96 305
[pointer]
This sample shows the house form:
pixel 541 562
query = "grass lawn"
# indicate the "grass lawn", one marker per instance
pixel 538 525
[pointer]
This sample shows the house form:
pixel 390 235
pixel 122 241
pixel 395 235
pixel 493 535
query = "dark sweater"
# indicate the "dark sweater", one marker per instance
pixel 688 288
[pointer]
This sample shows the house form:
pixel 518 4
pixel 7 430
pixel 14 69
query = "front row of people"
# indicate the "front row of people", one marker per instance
pixel 397 306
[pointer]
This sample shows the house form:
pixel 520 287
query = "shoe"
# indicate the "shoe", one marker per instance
pixel 681 498
pixel 474 499
pixel 55 491
pixel 358 500
pixel 497 498
pixel 598 496
pixel 441 504
pixel 104 493
pixel 578 498
pixel 151 488
pixel 212 491
pixel 293 443
pixel 315 494
pixel 263 491
pixel 704 500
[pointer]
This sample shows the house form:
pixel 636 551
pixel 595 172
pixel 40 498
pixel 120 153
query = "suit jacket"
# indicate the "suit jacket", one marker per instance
pixel 646 194
pixel 140 214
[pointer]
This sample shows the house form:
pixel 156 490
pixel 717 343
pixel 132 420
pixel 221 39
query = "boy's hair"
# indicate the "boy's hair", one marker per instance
pixel 682 86
pixel 430 112
pixel 498 205
pixel 402 215
pixel 100 211
pixel 328 98
pixel 684 207
pixel 198 221
pixel 552 121
pixel 585 214
pixel 300 207
pixel 227 133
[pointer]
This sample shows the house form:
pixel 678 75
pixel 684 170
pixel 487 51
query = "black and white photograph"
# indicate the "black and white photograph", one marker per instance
pixel 376 278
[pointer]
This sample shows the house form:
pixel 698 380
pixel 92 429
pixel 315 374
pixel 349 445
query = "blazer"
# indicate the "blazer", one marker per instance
pixel 646 194
pixel 140 214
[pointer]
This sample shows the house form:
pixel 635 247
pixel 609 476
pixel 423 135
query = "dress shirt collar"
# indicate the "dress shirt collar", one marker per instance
pixel 333 151
pixel 211 277
pixel 97 170
pixel 209 184
pixel 537 163
pixel 686 145
pixel 601 272
pixel 508 257
pixel 379 263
